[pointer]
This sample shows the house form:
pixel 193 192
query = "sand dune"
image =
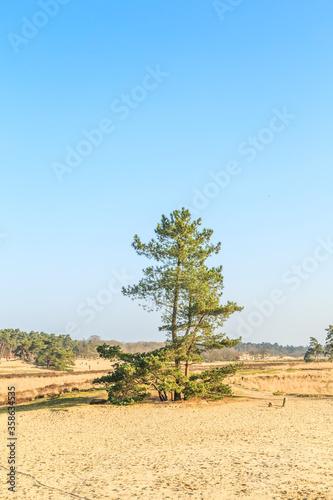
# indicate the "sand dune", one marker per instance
pixel 228 450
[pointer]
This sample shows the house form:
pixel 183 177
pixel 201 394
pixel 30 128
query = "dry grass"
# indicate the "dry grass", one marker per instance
pixel 237 448
pixel 300 378
pixel 283 377
pixel 32 383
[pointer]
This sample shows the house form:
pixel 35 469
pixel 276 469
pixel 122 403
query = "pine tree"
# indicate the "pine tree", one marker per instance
pixel 314 350
pixel 188 293
pixel 329 343
pixel 179 245
pixel 200 312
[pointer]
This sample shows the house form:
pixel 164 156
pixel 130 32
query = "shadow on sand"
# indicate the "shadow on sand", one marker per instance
pixel 57 403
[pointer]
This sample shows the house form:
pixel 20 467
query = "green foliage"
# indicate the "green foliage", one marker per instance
pixel 329 343
pixel 53 355
pixel 8 342
pixel 181 285
pixel 209 384
pixel 314 350
pixel 56 352
pixel 260 351
pixel 187 292
pixel 135 375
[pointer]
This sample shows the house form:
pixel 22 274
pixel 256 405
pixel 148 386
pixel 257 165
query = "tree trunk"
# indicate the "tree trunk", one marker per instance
pixel 175 305
pixel 177 395
pixel 163 396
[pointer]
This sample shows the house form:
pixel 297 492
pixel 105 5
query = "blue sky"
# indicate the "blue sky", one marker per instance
pixel 179 91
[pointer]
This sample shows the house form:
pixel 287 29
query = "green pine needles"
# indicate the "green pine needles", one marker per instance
pixel 316 350
pixel 329 343
pixel 188 294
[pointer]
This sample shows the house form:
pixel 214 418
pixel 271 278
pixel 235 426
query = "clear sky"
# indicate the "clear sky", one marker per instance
pixel 116 112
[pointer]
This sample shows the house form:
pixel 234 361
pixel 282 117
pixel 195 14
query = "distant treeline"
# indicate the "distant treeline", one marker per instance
pixel 254 351
pixel 60 351
pixel 267 349
pixel 52 351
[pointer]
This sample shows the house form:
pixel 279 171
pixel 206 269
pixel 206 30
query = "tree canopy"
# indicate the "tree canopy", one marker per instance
pixel 188 294
pixel 314 350
pixel 52 351
pixel 329 343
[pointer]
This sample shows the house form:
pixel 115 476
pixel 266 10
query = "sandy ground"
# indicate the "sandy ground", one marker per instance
pixel 229 450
